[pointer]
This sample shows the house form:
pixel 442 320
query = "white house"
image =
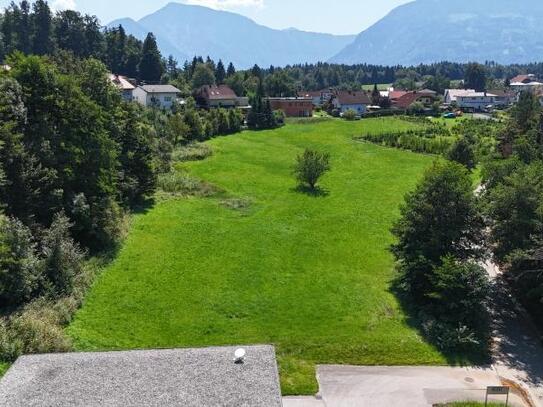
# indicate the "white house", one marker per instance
pixel 162 96
pixel 123 84
pixel 351 100
pixel 451 95
pixel 476 101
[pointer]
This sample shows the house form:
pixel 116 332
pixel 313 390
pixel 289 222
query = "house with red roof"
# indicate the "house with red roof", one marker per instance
pixel 523 79
pixel 425 97
pixel 215 96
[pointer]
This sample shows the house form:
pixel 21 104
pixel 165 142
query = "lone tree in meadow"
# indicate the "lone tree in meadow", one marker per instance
pixel 310 166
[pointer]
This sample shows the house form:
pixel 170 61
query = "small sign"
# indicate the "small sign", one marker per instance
pixel 497 390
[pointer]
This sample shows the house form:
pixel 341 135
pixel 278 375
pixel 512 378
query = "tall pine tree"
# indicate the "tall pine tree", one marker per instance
pixel 150 66
pixel 42 28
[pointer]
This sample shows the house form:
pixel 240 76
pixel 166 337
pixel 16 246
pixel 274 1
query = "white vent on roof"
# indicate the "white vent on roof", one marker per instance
pixel 239 356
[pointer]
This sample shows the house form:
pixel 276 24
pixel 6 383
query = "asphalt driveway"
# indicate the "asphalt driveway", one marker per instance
pixel 358 386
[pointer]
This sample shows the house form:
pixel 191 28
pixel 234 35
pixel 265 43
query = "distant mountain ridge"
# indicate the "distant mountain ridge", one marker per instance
pixel 185 31
pixel 427 31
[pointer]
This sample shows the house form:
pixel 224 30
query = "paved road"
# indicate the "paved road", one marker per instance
pixel 518 354
pixel 358 386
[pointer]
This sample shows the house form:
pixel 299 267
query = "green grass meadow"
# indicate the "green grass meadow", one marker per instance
pixel 261 262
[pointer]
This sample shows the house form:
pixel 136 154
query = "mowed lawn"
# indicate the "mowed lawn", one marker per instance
pixel 309 274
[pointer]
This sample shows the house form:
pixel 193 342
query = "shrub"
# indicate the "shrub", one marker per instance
pixel 182 184
pixel 192 152
pixel 20 267
pixel 10 346
pixel 450 337
pixel 349 115
pixel 310 166
pixel 462 152
pixel 39 331
pixel 63 259
pixel 460 293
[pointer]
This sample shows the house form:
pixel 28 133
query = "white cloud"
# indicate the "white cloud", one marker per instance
pixel 225 4
pixel 58 5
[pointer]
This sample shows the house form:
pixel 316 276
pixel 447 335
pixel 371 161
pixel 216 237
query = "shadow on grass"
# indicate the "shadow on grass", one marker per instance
pixel 474 355
pixel 316 192
pixel 143 206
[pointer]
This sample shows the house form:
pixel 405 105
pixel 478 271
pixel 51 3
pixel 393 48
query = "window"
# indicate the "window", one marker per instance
pixel 167 98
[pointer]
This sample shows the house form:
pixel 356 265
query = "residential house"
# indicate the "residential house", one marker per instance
pixel 345 100
pixel 476 101
pixel 409 98
pixel 394 95
pixel 503 97
pixel 525 78
pixel 219 96
pixel 451 95
pixel 219 376
pixel 125 87
pixel 527 82
pixel 320 97
pixel 293 106
pixel 316 96
pixel 162 96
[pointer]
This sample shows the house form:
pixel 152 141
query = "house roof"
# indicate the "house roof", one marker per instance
pixel 477 95
pixel 346 97
pixel 502 93
pixel 396 94
pixel 310 93
pixel 121 82
pixel 523 78
pixel 454 93
pixel 160 89
pixel 184 377
pixel 527 85
pixel 290 99
pixel 214 92
pixel 411 97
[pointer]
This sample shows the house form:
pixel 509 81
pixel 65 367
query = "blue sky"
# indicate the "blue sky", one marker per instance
pixel 333 16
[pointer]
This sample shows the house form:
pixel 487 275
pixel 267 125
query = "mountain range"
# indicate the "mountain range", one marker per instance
pixel 185 31
pixel 423 31
pixel 426 31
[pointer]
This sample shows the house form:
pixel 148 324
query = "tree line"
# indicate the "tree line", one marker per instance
pixel 34 29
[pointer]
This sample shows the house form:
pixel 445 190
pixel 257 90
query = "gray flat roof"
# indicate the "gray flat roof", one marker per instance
pixel 160 89
pixel 182 377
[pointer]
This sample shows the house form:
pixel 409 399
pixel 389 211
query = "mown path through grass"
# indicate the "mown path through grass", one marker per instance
pixel 310 274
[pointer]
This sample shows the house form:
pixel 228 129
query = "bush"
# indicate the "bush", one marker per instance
pixel 310 166
pixel 39 331
pixel 192 152
pixel 462 152
pixel 450 337
pixel 432 140
pixel 63 259
pixel 20 267
pixel 182 184
pixel 349 115
pixel 460 293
